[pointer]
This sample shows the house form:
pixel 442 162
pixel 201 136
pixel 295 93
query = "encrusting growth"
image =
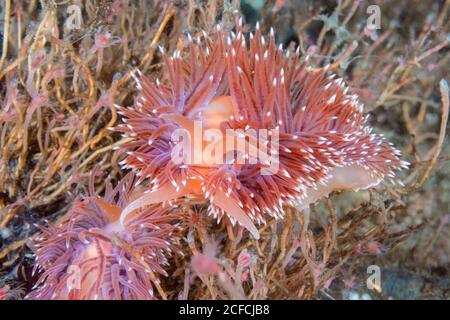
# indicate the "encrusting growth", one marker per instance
pixel 244 81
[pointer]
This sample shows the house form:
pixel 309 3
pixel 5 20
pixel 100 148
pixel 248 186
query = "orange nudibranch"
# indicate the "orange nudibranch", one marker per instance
pixel 242 81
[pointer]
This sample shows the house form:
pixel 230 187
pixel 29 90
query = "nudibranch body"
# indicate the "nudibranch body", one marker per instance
pixel 239 81
pixel 91 255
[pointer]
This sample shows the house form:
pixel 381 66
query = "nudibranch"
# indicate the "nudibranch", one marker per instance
pixel 91 255
pixel 244 81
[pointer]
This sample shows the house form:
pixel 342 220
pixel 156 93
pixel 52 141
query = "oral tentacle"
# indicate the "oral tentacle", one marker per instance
pixel 234 211
pixel 161 195
pixel 181 120
pixel 111 211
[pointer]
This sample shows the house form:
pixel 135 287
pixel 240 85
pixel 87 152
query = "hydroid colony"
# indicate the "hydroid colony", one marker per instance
pixel 234 80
